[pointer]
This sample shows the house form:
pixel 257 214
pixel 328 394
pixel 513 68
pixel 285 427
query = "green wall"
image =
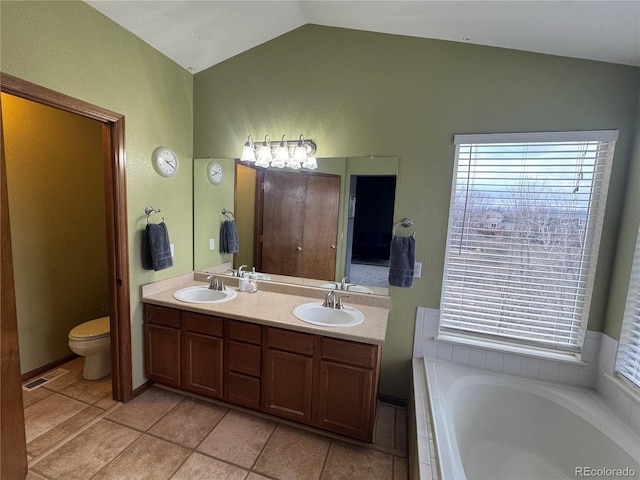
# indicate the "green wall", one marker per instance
pixel 55 182
pixel 359 93
pixel 71 48
pixel 356 94
pixel 630 219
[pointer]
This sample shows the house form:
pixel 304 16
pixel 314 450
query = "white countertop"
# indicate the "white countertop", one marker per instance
pixel 273 309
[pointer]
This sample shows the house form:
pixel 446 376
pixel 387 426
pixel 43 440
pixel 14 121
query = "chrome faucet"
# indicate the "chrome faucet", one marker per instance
pixel 330 300
pixel 333 301
pixel 216 283
pixel 240 272
pixel 344 284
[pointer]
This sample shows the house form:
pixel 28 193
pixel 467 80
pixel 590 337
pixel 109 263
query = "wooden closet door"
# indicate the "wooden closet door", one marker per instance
pixel 283 221
pixel 320 231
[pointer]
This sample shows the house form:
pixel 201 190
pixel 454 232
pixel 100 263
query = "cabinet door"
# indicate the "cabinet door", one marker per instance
pixel 346 400
pixel 288 385
pixel 202 364
pixel 162 354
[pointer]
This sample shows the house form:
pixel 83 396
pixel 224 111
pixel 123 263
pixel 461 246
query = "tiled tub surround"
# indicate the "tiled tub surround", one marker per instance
pixel 596 371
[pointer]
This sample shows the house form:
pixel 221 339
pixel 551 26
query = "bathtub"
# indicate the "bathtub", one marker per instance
pixel 494 426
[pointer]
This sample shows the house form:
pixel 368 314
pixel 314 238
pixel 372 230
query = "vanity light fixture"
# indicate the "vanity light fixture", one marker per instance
pixel 294 155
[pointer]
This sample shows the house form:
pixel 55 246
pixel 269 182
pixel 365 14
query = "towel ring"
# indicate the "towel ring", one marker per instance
pixel 228 213
pixel 406 223
pixel 150 211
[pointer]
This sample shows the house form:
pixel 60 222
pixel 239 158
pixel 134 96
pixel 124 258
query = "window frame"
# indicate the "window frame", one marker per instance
pixel 448 331
pixel 631 326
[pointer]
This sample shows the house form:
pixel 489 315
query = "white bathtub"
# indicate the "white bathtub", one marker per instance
pixel 494 426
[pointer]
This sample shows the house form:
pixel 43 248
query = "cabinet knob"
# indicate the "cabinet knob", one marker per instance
pixel 333 246
pixel 299 248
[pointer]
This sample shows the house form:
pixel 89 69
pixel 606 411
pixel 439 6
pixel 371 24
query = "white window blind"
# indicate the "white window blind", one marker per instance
pixel 524 226
pixel 628 360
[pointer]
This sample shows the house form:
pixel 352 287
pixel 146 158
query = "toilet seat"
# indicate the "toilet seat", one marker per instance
pixel 91 330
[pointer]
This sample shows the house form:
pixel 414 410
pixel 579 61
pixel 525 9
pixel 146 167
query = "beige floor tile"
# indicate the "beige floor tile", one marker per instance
pixel 351 462
pixel 75 373
pixel 147 458
pixel 84 455
pixel 293 454
pixel 201 467
pixel 61 431
pixel 400 438
pixel 238 438
pixel 146 409
pixel 33 476
pixel 255 476
pixel 400 469
pixel 189 422
pixel 384 425
pixel 88 391
pixel 48 413
pixel 105 403
pixel 33 396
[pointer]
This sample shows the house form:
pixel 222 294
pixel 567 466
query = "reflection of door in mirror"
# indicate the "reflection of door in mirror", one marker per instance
pixel 369 229
pixel 299 224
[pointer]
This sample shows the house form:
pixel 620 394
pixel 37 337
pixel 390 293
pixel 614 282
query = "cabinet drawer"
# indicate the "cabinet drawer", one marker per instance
pixel 168 317
pixel 351 353
pixel 244 358
pixel 245 332
pixel 206 324
pixel 290 341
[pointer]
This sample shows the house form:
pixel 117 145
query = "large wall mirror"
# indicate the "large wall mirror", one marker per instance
pixel 304 227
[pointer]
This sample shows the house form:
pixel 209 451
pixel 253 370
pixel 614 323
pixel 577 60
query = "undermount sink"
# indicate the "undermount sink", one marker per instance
pixel 350 288
pixel 202 294
pixel 316 314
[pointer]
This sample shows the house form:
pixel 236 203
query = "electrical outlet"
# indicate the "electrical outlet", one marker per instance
pixel 172 250
pixel 417 269
pixel 212 244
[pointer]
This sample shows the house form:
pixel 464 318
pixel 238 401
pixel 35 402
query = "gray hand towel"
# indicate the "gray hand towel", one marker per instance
pixel 229 237
pixel 401 261
pixel 156 248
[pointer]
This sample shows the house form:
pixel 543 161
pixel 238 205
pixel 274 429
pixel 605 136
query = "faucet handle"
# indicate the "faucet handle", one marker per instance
pixel 338 302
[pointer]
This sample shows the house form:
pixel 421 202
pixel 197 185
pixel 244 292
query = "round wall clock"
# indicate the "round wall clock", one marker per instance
pixel 165 161
pixel 215 173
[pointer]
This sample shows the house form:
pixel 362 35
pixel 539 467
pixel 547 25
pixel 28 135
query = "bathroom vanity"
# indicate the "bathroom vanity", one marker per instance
pixel 253 352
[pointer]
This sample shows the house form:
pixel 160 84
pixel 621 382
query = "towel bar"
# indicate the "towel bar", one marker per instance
pixel 226 213
pixel 406 223
pixel 150 211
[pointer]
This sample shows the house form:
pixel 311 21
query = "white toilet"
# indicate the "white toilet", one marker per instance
pixel 92 340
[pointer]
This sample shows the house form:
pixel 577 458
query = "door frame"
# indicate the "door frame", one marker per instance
pixel 115 214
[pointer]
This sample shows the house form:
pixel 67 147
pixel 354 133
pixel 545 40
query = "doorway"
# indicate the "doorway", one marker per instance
pixel 369 230
pixel 112 129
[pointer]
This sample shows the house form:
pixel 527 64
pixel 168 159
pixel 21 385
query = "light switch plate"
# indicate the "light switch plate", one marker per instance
pixel 417 269
pixel 212 244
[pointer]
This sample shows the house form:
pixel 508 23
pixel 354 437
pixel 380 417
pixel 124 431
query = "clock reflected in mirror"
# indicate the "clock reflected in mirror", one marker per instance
pixel 215 173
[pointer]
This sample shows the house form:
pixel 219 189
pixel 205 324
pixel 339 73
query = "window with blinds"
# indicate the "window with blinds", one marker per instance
pixel 628 360
pixel 524 227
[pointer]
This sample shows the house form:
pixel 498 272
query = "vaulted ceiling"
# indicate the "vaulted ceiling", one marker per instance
pixel 199 34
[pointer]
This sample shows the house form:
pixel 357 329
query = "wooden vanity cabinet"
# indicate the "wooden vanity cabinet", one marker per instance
pixel 346 388
pixel 202 354
pixel 288 374
pixel 320 381
pixel 162 345
pixel 243 374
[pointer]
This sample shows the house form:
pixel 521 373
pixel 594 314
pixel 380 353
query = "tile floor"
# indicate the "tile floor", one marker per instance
pixel 75 431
